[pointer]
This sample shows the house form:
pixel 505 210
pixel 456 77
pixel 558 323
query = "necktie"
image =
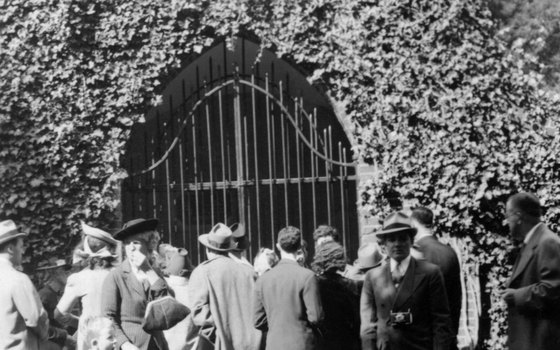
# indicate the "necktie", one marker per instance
pixel 397 275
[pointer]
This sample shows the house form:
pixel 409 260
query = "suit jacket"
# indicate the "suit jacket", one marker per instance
pixel 421 292
pixel 445 258
pixel 124 301
pixel 534 310
pixel 288 305
pixel 221 295
pixel 24 323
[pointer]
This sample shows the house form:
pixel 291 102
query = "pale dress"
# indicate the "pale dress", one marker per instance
pixel 85 286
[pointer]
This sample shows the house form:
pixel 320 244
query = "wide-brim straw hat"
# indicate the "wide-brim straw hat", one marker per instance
pixel 220 238
pixel 395 223
pixel 135 226
pixel 98 233
pixel 9 231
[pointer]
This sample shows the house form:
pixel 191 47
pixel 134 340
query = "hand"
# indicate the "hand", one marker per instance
pixel 129 346
pixel 507 295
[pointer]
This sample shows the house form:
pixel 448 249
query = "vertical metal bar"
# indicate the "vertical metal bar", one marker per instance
pixel 342 199
pixel 239 149
pixel 146 191
pixel 298 168
pixel 247 223
pixel 222 152
pixel 256 162
pixel 270 159
pixel 210 161
pixel 328 175
pixel 313 139
pixel 196 189
pixel 168 193
pixel 284 158
pixel 181 170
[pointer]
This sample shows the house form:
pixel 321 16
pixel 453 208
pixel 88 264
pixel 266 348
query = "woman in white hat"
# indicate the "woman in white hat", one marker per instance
pixel 98 254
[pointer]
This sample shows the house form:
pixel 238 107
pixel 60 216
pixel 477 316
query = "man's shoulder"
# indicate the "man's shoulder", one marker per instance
pixel 424 266
pixel 14 277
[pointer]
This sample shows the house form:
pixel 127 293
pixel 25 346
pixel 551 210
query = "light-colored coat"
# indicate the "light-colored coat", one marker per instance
pixel 421 292
pixel 288 305
pixel 221 294
pixel 534 313
pixel 124 301
pixel 24 323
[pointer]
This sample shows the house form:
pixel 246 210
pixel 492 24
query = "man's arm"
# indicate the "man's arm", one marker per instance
pixel 199 296
pixel 368 316
pixel 259 314
pixel 312 301
pixel 28 304
pixel 545 293
pixel 439 309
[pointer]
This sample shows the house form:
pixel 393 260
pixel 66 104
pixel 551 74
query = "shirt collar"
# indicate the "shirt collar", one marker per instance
pixel 531 233
pixel 403 265
pixel 419 236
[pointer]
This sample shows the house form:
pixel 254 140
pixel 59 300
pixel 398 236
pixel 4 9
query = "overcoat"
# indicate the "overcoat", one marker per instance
pixel 288 305
pixel 445 258
pixel 534 312
pixel 221 295
pixel 124 300
pixel 421 292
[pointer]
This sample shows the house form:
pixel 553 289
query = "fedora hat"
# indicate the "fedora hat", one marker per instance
pixel 135 226
pixel 219 238
pixel 396 222
pixel 99 234
pixel 239 236
pixel 369 255
pixel 9 231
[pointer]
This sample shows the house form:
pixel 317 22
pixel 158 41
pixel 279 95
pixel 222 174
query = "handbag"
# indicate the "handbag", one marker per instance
pixel 164 313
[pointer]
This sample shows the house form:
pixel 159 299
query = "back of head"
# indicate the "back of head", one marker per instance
pixel 424 216
pixel 329 258
pixel 527 203
pixel 289 239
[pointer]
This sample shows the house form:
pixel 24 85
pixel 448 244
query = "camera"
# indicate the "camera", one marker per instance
pixel 400 318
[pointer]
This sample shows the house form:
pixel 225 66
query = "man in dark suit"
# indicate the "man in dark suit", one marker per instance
pixel 532 293
pixel 403 303
pixel 444 257
pixel 287 300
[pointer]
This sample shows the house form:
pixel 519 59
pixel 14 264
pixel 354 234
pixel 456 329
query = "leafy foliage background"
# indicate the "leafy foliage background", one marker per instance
pixel 448 116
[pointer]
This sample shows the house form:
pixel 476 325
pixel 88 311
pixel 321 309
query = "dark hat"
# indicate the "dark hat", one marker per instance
pixel 9 231
pixel 369 255
pixel 135 226
pixel 239 236
pixel 219 238
pixel 396 222
pixel 164 313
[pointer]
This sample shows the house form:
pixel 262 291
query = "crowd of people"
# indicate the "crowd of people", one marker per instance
pixel 128 291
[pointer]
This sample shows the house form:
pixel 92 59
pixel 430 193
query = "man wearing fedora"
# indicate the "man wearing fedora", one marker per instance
pixel 287 300
pixel 242 243
pixel 24 322
pixel 369 256
pixel 532 293
pixel 403 303
pixel 221 292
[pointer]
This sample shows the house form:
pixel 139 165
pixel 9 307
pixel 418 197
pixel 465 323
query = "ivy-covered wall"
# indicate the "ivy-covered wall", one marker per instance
pixel 437 106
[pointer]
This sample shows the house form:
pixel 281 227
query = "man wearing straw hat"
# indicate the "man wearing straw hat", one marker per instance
pixel 221 293
pixel 404 304
pixel 24 322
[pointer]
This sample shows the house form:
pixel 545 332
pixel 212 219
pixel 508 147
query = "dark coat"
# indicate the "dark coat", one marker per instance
pixel 445 258
pixel 124 301
pixel 534 311
pixel 341 304
pixel 422 292
pixel 288 305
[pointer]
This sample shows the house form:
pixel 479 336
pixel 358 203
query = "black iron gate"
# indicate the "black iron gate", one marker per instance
pixel 241 148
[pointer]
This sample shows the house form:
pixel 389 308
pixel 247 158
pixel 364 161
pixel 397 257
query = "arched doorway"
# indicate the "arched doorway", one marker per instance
pixel 233 142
